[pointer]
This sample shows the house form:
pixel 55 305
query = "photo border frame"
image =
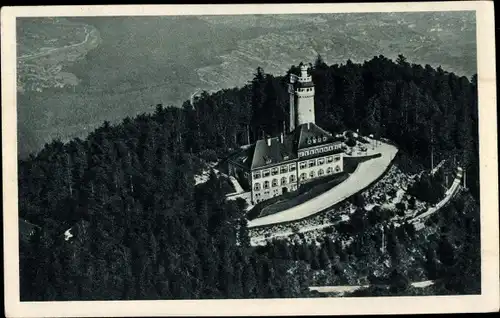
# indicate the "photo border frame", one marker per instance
pixel 487 301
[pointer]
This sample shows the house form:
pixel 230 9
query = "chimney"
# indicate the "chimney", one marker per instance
pixel 269 141
pixel 281 138
pixel 308 126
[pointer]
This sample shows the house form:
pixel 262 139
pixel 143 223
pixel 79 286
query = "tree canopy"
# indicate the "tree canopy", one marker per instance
pixel 151 233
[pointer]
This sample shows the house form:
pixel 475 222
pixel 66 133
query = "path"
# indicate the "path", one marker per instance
pixel 49 51
pixel 262 239
pixel 349 289
pixel 363 176
pixel 449 194
pixel 436 168
pixel 236 185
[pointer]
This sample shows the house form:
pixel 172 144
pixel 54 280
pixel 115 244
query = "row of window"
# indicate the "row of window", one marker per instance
pixel 313 140
pixel 305 89
pixel 274 183
pixel 303 176
pixel 321 172
pixel 318 150
pixel 274 171
pixel 319 162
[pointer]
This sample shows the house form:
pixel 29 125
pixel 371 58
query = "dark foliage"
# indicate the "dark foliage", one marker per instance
pixel 153 234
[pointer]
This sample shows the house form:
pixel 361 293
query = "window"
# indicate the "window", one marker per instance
pixel 284 169
pixel 265 173
pixel 321 161
pixel 266 193
pixel 312 163
pixel 292 178
pixel 292 167
pixel 286 157
pixel 324 138
pixel 274 171
pixel 321 172
pixel 283 181
pixel 329 170
pixel 330 148
pixel 337 159
pixel 256 175
pixel 337 168
pixel 311 174
pixel 266 184
pixel 301 154
pixel 302 165
pixel 275 182
pixel 276 192
pixel 256 186
pixel 303 176
pixel 329 159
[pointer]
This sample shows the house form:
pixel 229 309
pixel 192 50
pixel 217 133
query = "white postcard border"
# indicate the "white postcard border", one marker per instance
pixel 487 301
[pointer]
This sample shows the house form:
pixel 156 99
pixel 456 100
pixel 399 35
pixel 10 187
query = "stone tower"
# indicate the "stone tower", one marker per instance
pixel 304 92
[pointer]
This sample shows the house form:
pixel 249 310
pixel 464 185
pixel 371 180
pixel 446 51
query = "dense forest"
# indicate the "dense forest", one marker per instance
pixel 148 232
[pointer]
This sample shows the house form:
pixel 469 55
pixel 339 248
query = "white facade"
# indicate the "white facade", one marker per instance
pixel 274 181
pixel 319 167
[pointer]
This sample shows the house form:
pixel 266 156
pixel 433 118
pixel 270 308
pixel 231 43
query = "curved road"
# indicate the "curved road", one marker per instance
pixel 449 194
pixel 349 289
pixel 52 50
pixel 365 174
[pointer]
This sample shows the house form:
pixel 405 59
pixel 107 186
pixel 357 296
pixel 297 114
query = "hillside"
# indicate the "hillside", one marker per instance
pixel 46 47
pixel 148 232
pixel 142 61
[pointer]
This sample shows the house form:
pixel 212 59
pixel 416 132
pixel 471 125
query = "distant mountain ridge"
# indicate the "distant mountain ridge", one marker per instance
pixel 142 61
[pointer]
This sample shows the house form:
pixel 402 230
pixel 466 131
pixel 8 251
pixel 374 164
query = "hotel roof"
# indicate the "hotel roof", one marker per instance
pixel 261 154
pixel 310 135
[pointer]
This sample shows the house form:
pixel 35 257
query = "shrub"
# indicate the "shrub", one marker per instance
pixel 411 202
pixel 350 142
pixel 349 134
pixel 401 207
pixel 358 200
pixel 328 230
pixel 209 155
pixel 398 281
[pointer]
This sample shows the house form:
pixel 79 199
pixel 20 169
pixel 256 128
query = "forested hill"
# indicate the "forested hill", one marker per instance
pixel 149 232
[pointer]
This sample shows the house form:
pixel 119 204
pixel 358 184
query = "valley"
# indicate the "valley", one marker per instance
pixel 134 63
